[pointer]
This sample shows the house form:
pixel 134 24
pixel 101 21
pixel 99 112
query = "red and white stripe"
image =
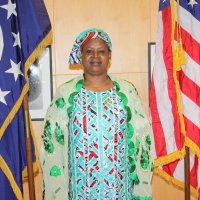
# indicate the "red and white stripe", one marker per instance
pixel 163 97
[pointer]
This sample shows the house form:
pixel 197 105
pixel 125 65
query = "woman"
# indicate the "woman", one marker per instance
pixel 97 142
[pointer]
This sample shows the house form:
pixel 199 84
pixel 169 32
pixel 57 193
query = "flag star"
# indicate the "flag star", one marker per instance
pixel 10 7
pixel 164 1
pixel 17 39
pixel 192 3
pixel 15 69
pixel 2 96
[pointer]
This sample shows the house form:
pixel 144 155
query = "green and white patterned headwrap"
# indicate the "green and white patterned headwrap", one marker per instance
pixel 83 38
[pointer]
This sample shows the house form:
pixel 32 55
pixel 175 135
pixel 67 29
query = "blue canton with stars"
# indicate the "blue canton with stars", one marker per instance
pixel 12 78
pixel 192 6
pixel 23 26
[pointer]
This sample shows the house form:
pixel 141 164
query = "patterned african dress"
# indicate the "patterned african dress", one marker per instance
pixel 97 145
pixel 98 158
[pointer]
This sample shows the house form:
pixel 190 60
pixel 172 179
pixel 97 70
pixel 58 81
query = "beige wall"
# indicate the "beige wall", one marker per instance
pixel 131 24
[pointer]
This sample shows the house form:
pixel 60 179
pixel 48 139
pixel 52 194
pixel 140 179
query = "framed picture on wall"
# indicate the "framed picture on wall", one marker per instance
pixel 151 60
pixel 40 82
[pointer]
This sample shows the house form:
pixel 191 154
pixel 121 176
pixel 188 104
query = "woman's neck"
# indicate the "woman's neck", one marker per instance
pixel 97 83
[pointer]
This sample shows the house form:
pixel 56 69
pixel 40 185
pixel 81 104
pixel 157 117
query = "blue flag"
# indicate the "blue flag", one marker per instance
pixel 25 30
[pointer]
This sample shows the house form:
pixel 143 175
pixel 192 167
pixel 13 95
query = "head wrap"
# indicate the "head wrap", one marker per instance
pixel 83 38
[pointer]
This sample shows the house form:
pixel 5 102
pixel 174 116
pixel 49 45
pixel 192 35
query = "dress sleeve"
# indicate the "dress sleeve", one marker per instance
pixel 143 151
pixel 53 153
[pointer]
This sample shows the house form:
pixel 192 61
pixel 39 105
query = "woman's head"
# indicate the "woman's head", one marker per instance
pixel 83 38
pixel 95 57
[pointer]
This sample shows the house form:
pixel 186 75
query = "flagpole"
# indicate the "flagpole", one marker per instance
pixel 31 184
pixel 187 173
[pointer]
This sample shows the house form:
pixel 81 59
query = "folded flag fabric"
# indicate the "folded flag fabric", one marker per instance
pixel 25 30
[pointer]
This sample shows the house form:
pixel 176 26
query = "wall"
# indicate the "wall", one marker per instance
pixel 131 25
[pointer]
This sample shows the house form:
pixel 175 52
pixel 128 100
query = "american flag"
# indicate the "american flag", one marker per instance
pixel 175 91
pixel 24 31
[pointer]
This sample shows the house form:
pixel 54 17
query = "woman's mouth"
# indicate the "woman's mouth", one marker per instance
pixel 95 63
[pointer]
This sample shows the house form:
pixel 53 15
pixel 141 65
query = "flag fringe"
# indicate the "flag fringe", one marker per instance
pixel 11 179
pixel 175 71
pixel 163 160
pixel 192 146
pixel 179 184
pixel 25 171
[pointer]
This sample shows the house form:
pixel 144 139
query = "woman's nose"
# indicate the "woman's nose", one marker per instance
pixel 95 54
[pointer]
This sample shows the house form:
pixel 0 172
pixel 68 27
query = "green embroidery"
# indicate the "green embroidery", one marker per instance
pixel 135 179
pixel 148 141
pixel 117 86
pixel 137 142
pixel 123 97
pixel 48 146
pixel 152 167
pixel 133 167
pixel 131 161
pixel 55 171
pixel 137 148
pixel 141 198
pixel 129 115
pixel 133 176
pixel 70 80
pixel 57 190
pixel 131 151
pixel 69 110
pixel 47 129
pixel 131 144
pixel 144 160
pixel 79 85
pixel 135 111
pixel 71 97
pixel 141 115
pixel 59 134
pixel 130 131
pixel 60 102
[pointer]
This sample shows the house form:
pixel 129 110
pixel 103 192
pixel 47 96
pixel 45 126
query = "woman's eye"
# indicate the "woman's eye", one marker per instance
pixel 101 51
pixel 88 51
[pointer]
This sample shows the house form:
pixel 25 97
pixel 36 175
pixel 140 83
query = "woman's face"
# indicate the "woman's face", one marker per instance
pixel 95 57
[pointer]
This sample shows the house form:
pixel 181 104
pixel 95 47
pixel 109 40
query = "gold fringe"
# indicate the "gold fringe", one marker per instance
pixel 193 147
pixel 25 171
pixel 11 179
pixel 174 74
pixel 169 158
pixel 175 181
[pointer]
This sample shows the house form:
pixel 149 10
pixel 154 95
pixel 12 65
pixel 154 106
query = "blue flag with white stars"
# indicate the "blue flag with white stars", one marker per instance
pixel 25 30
